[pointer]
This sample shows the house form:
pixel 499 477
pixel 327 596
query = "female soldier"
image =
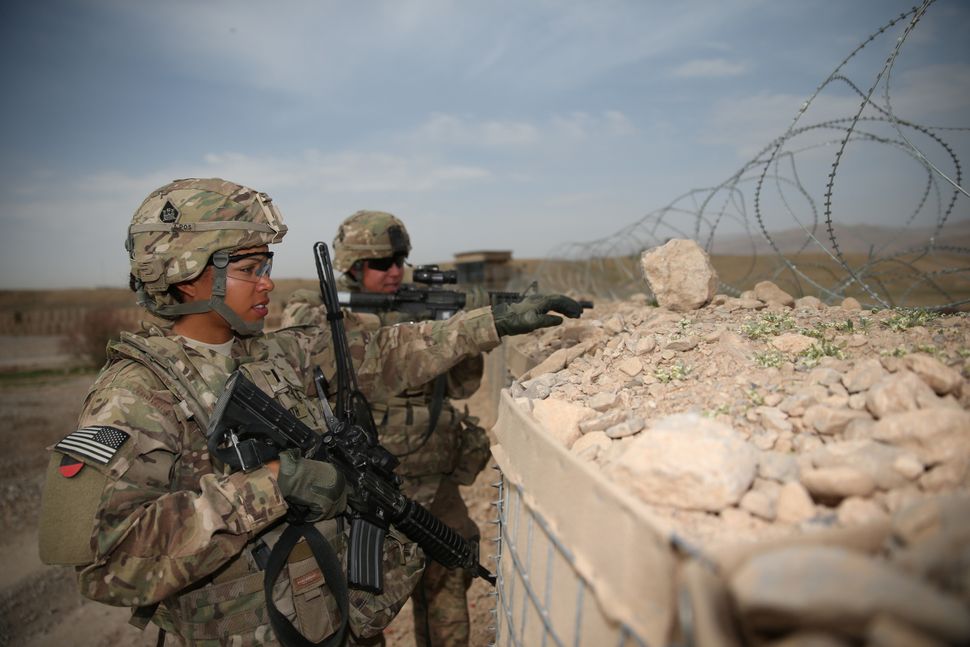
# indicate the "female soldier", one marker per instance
pixel 132 499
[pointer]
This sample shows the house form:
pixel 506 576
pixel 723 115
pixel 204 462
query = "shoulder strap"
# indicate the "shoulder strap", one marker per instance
pixel 159 354
pixel 329 564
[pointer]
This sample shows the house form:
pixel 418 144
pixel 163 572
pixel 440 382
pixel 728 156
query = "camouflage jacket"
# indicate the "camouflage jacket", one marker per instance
pixel 168 528
pixel 456 446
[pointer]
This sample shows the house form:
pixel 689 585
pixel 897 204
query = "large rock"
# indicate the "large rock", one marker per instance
pixel 902 391
pixel 940 377
pixel 823 587
pixel 794 505
pixel 875 459
pixel 687 461
pixel 933 435
pixel 561 418
pixel 680 275
pixel 864 375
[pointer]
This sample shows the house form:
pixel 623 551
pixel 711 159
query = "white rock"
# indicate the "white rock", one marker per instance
pixel 794 504
pixel 687 461
pixel 680 275
pixel 902 391
pixel 759 503
pixel 864 375
pixel 591 446
pixel 561 418
pixel 932 435
pixel 940 377
pixel 908 466
pixel 776 466
pixel 856 511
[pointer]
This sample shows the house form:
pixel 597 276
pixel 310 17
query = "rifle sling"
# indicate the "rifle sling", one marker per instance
pixel 329 564
pixel 434 412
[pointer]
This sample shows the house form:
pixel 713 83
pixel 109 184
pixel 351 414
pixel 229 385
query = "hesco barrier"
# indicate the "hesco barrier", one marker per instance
pixel 579 561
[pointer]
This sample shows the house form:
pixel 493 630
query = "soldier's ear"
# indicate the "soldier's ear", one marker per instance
pixel 195 289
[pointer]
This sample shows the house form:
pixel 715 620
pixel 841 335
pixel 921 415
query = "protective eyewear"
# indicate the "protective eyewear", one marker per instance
pixel 250 267
pixel 384 264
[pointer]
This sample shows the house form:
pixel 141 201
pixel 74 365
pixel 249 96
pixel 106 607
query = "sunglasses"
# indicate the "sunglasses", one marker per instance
pixel 384 264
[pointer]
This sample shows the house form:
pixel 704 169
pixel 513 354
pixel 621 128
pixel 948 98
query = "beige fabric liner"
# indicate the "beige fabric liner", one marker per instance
pixel 624 558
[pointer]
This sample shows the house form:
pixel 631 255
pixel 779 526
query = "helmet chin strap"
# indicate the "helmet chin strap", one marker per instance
pixel 216 302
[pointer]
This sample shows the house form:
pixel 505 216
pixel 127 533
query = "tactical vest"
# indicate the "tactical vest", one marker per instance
pixel 231 603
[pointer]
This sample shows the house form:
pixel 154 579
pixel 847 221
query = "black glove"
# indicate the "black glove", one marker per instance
pixel 530 313
pixel 315 486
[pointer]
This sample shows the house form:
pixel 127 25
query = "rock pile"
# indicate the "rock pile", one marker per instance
pixel 832 444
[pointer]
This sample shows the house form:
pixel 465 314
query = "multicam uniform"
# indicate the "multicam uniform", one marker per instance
pixel 134 502
pixel 434 461
pixel 166 521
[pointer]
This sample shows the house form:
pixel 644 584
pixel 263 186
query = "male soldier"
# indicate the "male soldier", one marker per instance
pixel 439 447
pixel 133 499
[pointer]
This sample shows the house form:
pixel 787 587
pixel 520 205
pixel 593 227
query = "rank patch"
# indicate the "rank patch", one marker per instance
pixel 99 444
pixel 169 213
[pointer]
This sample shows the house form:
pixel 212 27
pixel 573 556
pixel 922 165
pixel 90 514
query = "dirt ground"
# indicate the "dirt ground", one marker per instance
pixel 40 605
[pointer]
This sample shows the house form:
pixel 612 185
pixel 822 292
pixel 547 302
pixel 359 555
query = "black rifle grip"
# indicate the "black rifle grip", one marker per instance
pixel 365 560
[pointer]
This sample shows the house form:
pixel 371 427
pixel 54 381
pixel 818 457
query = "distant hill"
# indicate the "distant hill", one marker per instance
pixel 854 239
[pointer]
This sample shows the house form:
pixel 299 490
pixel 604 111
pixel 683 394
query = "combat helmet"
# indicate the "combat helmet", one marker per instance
pixel 369 234
pixel 188 224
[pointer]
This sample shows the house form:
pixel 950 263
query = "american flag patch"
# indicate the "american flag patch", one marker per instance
pixel 97 443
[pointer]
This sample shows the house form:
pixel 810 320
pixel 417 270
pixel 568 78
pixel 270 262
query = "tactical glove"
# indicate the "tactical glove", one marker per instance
pixel 530 313
pixel 314 487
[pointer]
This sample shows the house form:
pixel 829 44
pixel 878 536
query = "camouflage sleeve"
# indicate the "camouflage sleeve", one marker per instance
pixel 303 307
pixel 465 378
pixel 406 356
pixel 152 539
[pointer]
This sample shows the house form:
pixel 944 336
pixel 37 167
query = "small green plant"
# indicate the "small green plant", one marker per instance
pixel 905 319
pixel 769 324
pixel 677 371
pixel 929 349
pixel 816 332
pixel 964 353
pixel 721 409
pixel 756 398
pixel 770 359
pixel 823 348
pixel 899 351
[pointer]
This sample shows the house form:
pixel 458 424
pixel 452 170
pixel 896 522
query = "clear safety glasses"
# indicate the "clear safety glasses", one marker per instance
pixel 250 267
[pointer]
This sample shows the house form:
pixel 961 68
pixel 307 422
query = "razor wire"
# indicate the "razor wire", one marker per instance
pixel 923 271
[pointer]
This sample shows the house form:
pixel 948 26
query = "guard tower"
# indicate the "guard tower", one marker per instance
pixel 491 269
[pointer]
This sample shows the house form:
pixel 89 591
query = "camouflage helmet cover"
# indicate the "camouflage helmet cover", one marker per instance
pixel 180 225
pixel 369 234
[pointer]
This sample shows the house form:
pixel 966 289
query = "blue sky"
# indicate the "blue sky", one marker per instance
pixel 507 124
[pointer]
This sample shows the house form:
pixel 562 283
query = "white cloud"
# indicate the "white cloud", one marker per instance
pixel 709 68
pixel 452 130
pixel 444 130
